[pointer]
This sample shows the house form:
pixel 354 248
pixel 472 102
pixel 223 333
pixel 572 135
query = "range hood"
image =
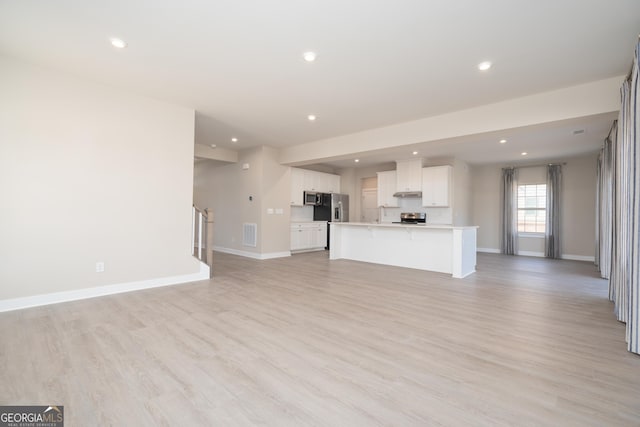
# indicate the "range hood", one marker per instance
pixel 408 194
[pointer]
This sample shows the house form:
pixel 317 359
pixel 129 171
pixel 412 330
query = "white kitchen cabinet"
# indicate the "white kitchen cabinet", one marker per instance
pixel 386 189
pixel 297 187
pixel 322 182
pixel 312 181
pixel 307 236
pixel 306 180
pixel 409 175
pixel 319 235
pixel 333 183
pixel 436 186
pixel 300 238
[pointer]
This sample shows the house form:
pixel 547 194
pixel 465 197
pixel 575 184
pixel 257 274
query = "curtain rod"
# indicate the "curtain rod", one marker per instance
pixel 536 166
pixel 614 125
pixel 628 78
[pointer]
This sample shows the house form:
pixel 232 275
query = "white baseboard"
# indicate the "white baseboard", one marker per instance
pixel 468 274
pixel 253 255
pixel 271 255
pixel 579 257
pixel 301 251
pixel 98 291
pixel 531 253
pixel 541 254
pixel 563 256
pixel 488 250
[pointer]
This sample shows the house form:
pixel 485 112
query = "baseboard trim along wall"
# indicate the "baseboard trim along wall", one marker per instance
pixel 254 255
pixel 541 254
pixel 99 291
pixel 488 250
pixel 531 253
pixel 579 257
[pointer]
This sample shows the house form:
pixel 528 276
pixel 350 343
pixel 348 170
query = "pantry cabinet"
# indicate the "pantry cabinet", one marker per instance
pixel 297 187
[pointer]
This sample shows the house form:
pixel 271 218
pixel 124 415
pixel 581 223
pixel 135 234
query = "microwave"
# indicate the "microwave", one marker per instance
pixel 312 198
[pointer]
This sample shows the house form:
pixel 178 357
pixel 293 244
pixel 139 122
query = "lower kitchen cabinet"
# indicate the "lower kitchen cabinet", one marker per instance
pixel 307 236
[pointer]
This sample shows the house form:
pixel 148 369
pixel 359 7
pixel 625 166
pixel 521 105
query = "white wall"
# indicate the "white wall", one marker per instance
pixel 577 205
pixel 276 190
pixel 462 212
pixel 226 191
pixel 89 173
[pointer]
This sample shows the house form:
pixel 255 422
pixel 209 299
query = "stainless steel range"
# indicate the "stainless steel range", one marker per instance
pixel 417 218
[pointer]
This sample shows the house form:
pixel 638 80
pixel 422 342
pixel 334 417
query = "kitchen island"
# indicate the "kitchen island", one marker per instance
pixel 440 248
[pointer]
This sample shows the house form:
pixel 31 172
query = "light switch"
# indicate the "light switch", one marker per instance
pixel 269 211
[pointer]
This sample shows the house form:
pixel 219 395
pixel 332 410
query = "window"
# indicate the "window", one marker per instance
pixel 532 208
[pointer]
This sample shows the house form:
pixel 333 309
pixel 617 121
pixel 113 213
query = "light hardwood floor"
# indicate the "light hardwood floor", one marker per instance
pixel 304 341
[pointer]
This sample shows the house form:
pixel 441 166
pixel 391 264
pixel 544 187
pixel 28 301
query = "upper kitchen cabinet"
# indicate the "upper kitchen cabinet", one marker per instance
pixel 312 181
pixel 333 183
pixel 386 189
pixel 409 175
pixel 321 182
pixel 297 187
pixel 306 180
pixel 436 186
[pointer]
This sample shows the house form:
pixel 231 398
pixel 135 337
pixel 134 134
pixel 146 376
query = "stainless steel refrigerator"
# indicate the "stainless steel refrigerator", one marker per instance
pixel 333 208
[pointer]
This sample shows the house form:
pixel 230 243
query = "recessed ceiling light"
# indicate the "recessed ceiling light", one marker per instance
pixel 524 153
pixel 213 145
pixel 309 56
pixel 119 43
pixel 356 160
pixel 503 141
pixel 484 66
pixel 234 139
pixel 414 153
pixel 311 117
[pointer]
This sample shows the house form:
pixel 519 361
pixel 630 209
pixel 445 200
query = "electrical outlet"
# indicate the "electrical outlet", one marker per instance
pixel 99 267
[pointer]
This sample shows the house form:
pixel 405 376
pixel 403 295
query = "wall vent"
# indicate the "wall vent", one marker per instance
pixel 249 234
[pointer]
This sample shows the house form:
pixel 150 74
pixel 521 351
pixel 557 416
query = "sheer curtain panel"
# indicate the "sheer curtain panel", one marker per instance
pixel 624 282
pixel 509 216
pixel 552 229
pixel 604 211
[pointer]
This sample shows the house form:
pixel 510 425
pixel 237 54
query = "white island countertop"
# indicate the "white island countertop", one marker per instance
pixel 397 225
pixel 433 247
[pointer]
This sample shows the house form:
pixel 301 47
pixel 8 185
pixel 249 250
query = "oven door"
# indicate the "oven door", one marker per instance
pixel 312 198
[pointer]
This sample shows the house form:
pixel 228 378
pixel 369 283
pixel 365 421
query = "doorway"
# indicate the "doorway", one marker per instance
pixel 369 200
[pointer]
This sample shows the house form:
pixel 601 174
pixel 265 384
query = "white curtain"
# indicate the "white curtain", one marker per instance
pixel 624 282
pixel 552 230
pixel 604 211
pixel 509 216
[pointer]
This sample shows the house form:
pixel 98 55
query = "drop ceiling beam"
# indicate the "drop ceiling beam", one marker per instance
pixel 597 97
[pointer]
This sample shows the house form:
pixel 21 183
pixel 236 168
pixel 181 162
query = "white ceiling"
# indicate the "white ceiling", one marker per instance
pixel 239 63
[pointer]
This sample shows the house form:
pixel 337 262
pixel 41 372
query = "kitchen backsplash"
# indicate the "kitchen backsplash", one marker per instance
pixel 301 213
pixel 434 215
